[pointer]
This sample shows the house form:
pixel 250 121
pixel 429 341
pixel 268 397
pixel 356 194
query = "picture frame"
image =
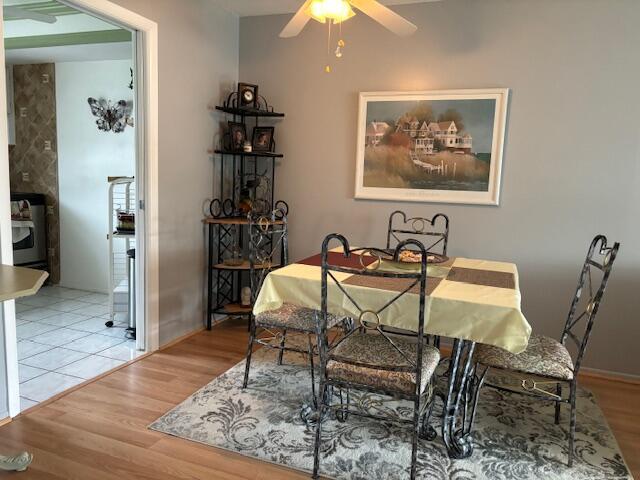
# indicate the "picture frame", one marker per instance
pixel 262 139
pixel 440 146
pixel 237 136
pixel 247 95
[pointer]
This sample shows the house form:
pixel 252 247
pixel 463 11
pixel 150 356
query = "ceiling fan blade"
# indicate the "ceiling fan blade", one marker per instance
pixel 297 23
pixel 17 12
pixel 385 17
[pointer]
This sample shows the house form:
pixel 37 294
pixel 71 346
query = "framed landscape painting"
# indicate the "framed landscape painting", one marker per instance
pixel 437 146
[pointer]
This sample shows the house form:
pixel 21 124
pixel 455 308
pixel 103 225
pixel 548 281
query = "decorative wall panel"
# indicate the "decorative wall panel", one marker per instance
pixel 33 161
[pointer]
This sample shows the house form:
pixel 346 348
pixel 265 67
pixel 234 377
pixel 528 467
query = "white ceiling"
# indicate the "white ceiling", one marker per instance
pixel 70 23
pixel 65 24
pixel 70 53
pixel 252 8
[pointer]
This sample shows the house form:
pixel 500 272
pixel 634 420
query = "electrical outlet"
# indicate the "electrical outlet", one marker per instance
pixel 45 78
pixel 23 112
pixel 50 210
pixel 47 145
pixel 26 177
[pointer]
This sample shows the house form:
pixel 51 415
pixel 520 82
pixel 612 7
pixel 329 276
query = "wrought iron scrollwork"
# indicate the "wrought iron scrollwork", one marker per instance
pixel 578 326
pixel 409 360
pixel 268 246
pixel 215 208
pixel 461 400
pixel 436 229
pixel 262 105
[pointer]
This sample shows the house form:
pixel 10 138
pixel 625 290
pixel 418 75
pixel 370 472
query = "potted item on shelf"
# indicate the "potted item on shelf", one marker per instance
pixel 234 257
pixel 254 194
pixel 262 139
pixel 237 136
pixel 245 205
pixel 126 222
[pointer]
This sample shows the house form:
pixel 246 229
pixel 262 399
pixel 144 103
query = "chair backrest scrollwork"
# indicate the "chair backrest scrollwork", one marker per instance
pixel 592 283
pixel 435 230
pixel 268 246
pixel 361 263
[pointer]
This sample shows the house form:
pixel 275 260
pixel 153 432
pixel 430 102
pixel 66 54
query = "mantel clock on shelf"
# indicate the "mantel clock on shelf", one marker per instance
pixel 247 95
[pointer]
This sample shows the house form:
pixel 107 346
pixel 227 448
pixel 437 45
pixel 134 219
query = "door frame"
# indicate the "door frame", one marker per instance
pixel 146 52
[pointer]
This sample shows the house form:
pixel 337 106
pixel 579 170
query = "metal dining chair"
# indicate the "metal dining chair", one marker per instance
pixel 367 358
pixel 547 362
pixel 268 250
pixel 434 231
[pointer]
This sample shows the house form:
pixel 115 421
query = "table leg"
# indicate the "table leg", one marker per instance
pixel 309 412
pixel 461 400
pixel 210 277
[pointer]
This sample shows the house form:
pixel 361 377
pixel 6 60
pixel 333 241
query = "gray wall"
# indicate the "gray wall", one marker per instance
pixel 198 48
pixel 571 165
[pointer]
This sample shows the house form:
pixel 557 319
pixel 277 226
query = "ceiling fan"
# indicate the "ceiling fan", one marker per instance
pixel 11 11
pixel 337 11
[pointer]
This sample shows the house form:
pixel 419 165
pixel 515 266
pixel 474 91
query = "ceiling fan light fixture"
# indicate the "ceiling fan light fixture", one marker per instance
pixel 336 10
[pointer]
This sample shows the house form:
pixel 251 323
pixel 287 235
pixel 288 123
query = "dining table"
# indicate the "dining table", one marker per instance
pixel 468 300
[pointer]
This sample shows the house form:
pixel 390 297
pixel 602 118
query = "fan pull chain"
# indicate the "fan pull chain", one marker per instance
pixel 340 44
pixel 327 68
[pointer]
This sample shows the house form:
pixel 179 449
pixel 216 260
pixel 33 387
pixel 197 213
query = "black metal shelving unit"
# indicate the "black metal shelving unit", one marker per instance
pixel 227 224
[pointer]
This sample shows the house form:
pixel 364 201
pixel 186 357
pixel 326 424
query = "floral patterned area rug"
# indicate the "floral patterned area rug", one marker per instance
pixel 515 436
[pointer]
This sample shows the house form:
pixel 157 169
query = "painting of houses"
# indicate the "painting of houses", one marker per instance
pixel 375 132
pixel 431 146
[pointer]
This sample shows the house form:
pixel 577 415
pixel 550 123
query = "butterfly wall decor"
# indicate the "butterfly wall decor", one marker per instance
pixel 111 117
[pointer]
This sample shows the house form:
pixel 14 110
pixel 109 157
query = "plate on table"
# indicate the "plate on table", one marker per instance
pixel 410 257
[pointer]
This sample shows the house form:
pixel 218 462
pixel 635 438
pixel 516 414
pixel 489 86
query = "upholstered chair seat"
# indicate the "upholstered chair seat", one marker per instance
pixel 295 318
pixel 544 356
pixel 371 360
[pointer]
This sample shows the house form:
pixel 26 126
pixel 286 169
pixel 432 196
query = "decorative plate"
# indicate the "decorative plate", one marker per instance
pixel 413 257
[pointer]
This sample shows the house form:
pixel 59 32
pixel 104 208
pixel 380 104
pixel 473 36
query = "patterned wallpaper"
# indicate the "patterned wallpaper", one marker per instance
pixel 35 151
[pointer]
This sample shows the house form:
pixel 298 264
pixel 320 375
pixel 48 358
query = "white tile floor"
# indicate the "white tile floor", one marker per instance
pixel 63 341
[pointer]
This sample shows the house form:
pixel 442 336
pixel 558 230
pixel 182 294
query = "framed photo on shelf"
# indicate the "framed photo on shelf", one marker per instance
pixel 247 95
pixel 262 140
pixel 432 146
pixel 237 136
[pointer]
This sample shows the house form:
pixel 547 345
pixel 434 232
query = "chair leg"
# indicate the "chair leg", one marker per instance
pixel 281 353
pixel 316 447
pixel 558 404
pixel 572 424
pixel 427 432
pixel 313 374
pixel 414 440
pixel 347 325
pixel 343 413
pixel 252 337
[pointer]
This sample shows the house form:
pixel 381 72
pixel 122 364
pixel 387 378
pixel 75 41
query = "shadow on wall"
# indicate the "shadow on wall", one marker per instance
pixel 547 293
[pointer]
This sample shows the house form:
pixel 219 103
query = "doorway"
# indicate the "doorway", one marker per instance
pixel 78 287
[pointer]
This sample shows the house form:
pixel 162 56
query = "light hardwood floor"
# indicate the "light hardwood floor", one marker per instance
pixel 99 431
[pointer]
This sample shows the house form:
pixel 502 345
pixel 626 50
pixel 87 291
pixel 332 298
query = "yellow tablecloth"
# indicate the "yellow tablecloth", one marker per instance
pixel 458 305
